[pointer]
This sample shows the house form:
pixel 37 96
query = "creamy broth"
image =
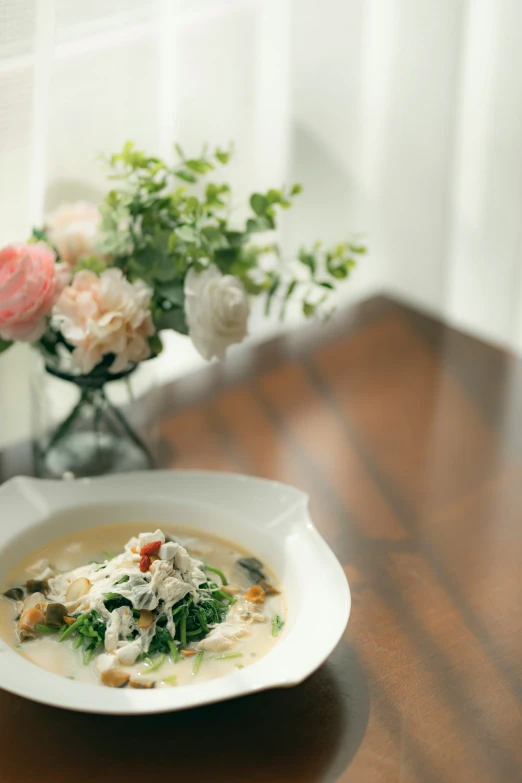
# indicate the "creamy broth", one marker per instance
pixel 256 620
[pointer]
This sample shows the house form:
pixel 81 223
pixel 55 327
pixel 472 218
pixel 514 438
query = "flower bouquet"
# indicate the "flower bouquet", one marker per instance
pixel 94 288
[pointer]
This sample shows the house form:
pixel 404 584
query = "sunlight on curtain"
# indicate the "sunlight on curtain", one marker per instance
pixel 401 118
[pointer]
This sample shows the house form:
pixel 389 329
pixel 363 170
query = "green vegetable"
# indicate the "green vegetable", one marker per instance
pixel 88 655
pixel 218 572
pixel 39 628
pixel 277 624
pixel 225 656
pixel 173 651
pixel 183 629
pixel 172 680
pixel 198 661
pixel 154 665
pixel 108 555
pixel 74 627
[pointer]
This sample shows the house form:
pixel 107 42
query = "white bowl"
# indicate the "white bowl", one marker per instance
pixel 271 520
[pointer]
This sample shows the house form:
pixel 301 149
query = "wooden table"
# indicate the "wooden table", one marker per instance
pixel 407 435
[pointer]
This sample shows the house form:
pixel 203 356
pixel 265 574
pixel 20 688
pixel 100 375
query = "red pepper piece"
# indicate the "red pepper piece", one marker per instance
pixel 144 564
pixel 150 549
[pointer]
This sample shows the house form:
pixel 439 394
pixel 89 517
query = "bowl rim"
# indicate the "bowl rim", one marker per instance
pixel 287 664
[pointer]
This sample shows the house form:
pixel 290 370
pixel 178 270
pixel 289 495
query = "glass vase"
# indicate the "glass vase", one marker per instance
pixel 79 431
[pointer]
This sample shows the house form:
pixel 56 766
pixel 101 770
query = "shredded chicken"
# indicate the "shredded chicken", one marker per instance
pixel 171 577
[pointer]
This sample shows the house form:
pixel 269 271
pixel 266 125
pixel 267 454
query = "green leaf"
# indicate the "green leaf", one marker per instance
pixel 91 264
pixel 155 345
pixel 288 293
pixel 37 235
pixel 222 156
pixel 180 152
pixel 4 345
pixel 165 270
pixel 259 203
pixel 199 166
pixel 308 260
pixel 187 234
pixel 291 288
pixel 308 309
pixel 274 196
pixel 296 189
pixel 186 176
pixel 173 319
pixel 271 292
pixel 326 284
pixel 236 238
pixel 339 271
pixel 259 224
pixel 361 249
pixel 217 239
pixel 174 293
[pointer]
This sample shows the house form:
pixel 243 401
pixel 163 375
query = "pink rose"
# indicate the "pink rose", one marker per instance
pixel 30 284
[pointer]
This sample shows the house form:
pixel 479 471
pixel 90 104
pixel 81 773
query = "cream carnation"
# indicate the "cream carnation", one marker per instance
pixel 73 229
pixel 217 309
pixel 105 315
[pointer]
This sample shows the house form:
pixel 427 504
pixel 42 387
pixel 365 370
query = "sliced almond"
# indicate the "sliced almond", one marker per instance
pixel 188 653
pixel 115 678
pixel 69 620
pixel 78 589
pixel 135 550
pixel 231 589
pixel 146 619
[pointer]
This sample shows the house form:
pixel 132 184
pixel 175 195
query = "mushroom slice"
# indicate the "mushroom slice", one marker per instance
pixel 37 586
pixel 78 589
pixel 55 614
pixel 115 678
pixel 15 594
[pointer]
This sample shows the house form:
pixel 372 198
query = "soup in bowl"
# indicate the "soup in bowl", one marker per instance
pixel 131 606
pixel 159 591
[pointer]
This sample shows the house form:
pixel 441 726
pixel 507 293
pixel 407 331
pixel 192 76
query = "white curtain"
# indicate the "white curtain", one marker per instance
pixel 402 118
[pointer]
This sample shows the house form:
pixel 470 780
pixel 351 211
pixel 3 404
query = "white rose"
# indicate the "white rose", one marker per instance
pixel 73 229
pixel 217 309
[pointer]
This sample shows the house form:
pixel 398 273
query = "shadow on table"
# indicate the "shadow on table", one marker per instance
pixel 308 733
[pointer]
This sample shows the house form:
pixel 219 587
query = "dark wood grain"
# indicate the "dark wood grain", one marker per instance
pixel 407 435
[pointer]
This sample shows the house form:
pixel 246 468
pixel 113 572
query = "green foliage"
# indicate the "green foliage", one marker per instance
pixel 91 264
pixel 37 235
pixel 4 345
pixel 157 229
